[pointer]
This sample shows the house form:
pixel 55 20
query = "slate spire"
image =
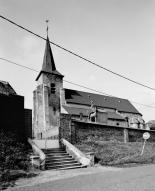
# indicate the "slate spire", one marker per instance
pixel 48 61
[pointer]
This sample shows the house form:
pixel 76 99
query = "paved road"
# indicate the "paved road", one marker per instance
pixel 127 179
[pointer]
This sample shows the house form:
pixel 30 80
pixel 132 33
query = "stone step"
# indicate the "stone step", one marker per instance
pixel 54 149
pixel 61 162
pixel 60 159
pixel 76 165
pixel 56 154
pixel 65 168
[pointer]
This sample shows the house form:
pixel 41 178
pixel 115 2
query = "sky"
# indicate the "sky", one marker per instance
pixel 116 34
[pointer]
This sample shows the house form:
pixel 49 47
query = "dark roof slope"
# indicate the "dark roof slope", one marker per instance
pixel 83 98
pixel 85 112
pixel 6 89
pixel 77 111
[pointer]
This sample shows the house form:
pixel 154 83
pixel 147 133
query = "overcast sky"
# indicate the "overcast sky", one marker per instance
pixel 116 34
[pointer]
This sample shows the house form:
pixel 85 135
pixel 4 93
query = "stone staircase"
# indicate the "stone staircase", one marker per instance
pixel 58 158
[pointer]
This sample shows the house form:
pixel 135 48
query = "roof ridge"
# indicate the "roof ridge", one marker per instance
pixel 97 94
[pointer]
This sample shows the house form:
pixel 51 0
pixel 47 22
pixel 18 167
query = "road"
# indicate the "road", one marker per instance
pixel 128 179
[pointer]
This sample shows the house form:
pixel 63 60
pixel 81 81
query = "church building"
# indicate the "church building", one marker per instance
pixel 51 100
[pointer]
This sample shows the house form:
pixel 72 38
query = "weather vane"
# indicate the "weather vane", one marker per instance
pixel 47 21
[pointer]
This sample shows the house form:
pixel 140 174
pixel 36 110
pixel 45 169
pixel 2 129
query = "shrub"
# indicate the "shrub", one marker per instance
pixel 13 155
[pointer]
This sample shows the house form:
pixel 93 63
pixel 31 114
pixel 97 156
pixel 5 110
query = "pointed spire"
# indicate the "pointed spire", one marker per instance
pixel 48 61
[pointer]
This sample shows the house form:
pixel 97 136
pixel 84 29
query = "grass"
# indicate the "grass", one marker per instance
pixel 120 154
pixel 14 159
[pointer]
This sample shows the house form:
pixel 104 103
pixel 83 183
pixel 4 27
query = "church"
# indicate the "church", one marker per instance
pixel 51 100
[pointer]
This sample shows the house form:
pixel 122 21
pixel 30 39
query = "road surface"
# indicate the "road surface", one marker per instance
pixel 127 179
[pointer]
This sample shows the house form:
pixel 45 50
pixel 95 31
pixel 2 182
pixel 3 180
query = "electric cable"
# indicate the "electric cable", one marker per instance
pixel 77 55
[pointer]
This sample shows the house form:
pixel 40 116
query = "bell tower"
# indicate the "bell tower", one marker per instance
pixel 46 98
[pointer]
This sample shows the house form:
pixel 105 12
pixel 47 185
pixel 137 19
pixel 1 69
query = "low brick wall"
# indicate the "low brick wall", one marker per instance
pixel 76 131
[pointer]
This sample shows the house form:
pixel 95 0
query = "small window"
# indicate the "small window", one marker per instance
pixel 52 88
pixel 93 119
pixel 54 110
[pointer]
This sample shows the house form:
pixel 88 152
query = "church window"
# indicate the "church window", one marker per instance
pixel 54 110
pixel 52 88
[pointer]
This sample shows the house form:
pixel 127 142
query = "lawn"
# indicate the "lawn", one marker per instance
pixel 120 154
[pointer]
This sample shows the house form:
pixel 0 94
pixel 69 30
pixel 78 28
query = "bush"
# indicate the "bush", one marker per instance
pixel 13 155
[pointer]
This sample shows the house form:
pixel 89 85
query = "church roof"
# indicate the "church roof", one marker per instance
pixel 85 112
pixel 48 61
pixel 83 98
pixel 6 89
pixel 76 111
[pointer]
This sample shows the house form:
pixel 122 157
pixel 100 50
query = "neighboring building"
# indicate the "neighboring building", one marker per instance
pixel 6 89
pixel 12 112
pixel 51 99
pixel 150 125
pixel 11 109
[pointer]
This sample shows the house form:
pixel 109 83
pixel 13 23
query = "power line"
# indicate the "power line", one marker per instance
pixel 77 55
pixel 4 59
pixel 25 67
pixel 103 93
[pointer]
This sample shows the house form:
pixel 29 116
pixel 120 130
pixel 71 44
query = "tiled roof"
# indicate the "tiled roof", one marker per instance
pixel 83 98
pixel 6 89
pixel 85 112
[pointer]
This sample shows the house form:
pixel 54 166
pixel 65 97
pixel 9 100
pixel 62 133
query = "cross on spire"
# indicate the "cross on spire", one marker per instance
pixel 47 21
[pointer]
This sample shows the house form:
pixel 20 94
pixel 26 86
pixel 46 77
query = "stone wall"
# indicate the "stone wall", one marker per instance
pixel 76 131
pixel 137 135
pixel 65 127
pixel 90 131
pixel 117 123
